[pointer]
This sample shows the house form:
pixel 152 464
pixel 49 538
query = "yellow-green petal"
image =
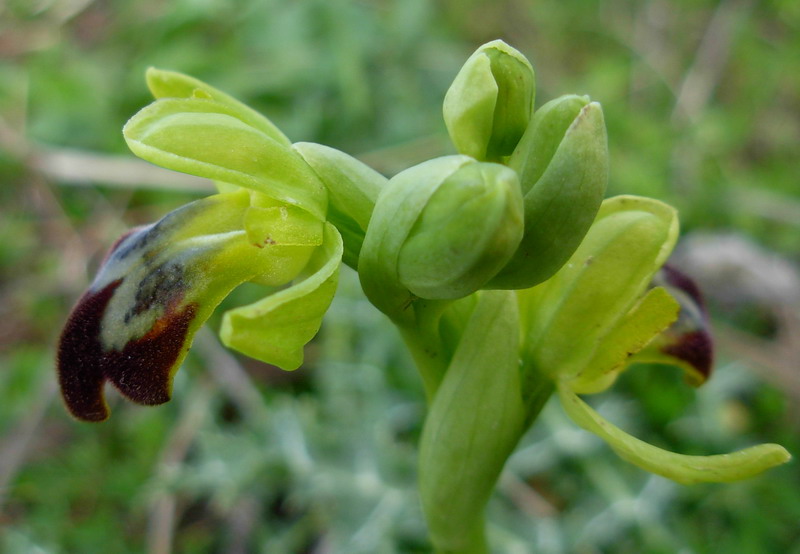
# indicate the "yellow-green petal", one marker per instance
pixel 275 329
pixel 172 84
pixel 204 137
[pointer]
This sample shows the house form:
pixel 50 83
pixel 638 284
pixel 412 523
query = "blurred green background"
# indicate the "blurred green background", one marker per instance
pixel 702 103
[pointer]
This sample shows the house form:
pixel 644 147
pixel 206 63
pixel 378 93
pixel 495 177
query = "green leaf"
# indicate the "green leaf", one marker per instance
pixel 204 137
pixel 678 467
pixel 275 329
pixel 171 84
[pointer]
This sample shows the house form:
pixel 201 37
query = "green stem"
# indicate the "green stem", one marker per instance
pixel 476 545
pixel 425 344
pixel 537 390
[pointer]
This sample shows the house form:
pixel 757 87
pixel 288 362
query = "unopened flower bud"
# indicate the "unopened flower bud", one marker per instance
pixel 489 104
pixel 440 230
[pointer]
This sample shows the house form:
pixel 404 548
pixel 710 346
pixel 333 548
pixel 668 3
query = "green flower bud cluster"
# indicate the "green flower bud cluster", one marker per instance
pixel 505 214
pixel 507 274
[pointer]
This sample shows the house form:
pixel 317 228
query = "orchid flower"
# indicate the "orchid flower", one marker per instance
pixel 159 283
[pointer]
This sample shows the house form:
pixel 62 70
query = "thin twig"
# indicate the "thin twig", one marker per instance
pixel 80 168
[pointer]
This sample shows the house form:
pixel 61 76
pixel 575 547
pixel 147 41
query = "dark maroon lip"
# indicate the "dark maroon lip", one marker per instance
pixel 689 339
pixel 142 370
pixel 696 349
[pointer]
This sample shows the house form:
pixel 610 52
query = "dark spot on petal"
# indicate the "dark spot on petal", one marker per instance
pixel 689 339
pixel 162 286
pixel 142 370
pixel 696 349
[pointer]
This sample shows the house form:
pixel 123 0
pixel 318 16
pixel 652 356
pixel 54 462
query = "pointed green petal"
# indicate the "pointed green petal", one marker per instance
pixel 652 315
pixel 275 329
pixel 171 84
pixel 205 138
pixel 678 467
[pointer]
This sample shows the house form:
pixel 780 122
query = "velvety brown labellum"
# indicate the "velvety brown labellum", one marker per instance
pixel 142 370
pixel 690 336
pixel 696 349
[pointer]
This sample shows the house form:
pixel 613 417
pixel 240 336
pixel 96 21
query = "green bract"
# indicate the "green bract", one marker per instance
pixel 474 423
pixel 488 106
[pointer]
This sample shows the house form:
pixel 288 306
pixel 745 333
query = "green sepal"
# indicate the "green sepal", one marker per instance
pixel 684 469
pixel 475 420
pixel 562 161
pixel 488 106
pixel 275 329
pixel 606 276
pixel 204 137
pixel 353 188
pixel 172 84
